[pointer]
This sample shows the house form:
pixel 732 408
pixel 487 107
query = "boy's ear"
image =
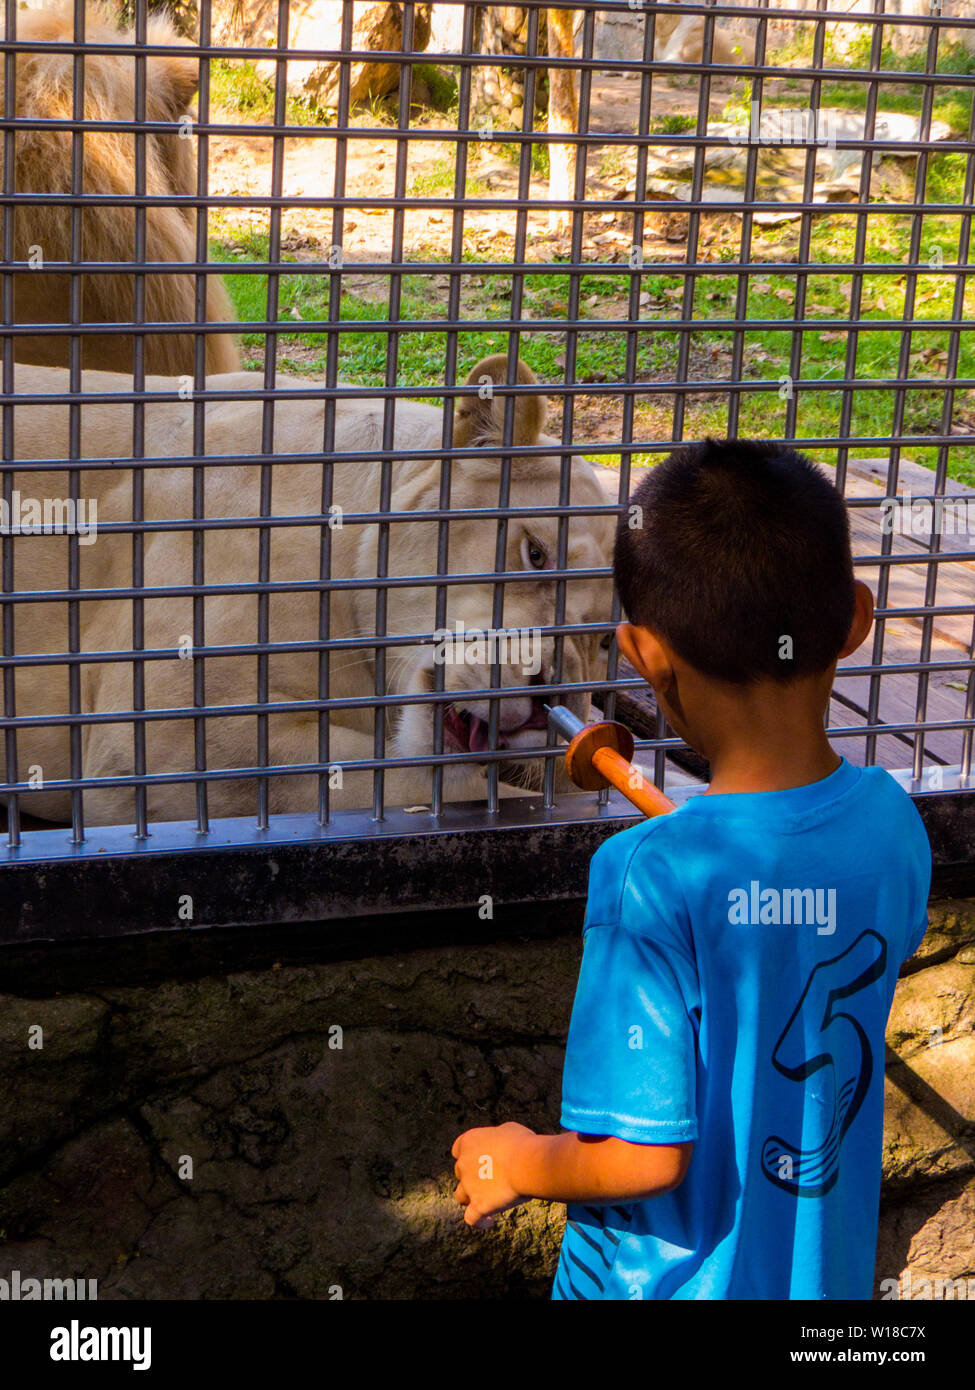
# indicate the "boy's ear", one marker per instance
pixel 862 619
pixel 643 650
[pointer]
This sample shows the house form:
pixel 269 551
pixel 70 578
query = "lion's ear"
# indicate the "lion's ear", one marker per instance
pixel 171 79
pixel 480 419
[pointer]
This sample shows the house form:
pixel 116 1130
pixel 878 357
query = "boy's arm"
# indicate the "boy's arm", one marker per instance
pixel 501 1166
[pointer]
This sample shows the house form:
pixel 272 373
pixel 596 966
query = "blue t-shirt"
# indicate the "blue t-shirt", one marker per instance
pixel 739 962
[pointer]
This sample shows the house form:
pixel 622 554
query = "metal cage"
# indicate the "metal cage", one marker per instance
pixel 766 235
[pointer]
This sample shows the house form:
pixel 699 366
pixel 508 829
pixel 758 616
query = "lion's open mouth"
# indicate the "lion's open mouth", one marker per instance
pixel 470 734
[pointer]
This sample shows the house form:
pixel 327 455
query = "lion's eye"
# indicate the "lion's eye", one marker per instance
pixel 536 555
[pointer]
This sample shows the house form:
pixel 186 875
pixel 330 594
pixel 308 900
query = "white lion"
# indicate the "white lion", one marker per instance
pixel 232 556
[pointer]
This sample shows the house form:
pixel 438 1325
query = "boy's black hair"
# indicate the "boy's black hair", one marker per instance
pixel 740 546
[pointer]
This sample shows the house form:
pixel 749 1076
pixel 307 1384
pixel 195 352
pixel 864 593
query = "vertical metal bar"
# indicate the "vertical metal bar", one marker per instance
pixel 454 291
pixel 805 231
pixel 7 573
pixel 967 735
pixel 336 254
pixel 571 364
pixel 693 234
pixel 630 370
pixel 846 411
pixel 510 403
pixel 139 430
pixel 947 405
pixel 76 317
pixel 747 227
pixel 267 413
pixel 389 402
pixel 900 392
pixel 199 435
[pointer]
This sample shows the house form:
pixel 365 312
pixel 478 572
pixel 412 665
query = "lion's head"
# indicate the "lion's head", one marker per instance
pixel 481 621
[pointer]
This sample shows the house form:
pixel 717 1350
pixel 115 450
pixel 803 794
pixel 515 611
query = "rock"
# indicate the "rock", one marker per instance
pixel 951 929
pixel 927 1242
pixel 930 1095
pixel 49 1090
pixel 927 1226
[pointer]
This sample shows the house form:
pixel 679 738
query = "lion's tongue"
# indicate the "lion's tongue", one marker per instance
pixel 479 735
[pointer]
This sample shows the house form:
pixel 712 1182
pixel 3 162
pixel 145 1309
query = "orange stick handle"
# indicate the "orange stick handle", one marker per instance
pixel 630 781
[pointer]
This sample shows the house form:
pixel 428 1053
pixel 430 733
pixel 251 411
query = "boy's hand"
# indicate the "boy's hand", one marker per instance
pixel 485 1157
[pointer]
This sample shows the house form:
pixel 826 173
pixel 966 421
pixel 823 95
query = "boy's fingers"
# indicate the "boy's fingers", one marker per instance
pixel 477 1221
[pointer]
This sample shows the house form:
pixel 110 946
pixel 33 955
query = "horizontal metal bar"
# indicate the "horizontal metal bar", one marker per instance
pixel 475 134
pixel 560 450
pixel 248 523
pixel 404 327
pixel 473 205
pixel 462 59
pixel 458 514
pixel 622 7
pixel 299 586
pixel 431 760
pixel 674 270
pixel 330 644
pixel 360 702
pixel 338 644
pixel 588 388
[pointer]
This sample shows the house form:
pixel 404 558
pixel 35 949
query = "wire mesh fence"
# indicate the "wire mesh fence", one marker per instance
pixel 322 396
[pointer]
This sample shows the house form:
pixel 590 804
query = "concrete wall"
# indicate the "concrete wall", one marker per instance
pixel 318 1167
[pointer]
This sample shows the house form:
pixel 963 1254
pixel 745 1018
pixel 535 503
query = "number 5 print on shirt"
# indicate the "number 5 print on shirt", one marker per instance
pixel 836 1040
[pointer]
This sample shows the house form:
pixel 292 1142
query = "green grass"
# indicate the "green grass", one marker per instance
pixel 601 355
pixel 824 354
pixel 673 124
pixel 362 356
pixel 237 86
pixel 439 180
pixel 952 102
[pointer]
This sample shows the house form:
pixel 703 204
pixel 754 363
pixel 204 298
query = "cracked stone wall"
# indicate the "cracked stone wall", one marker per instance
pixel 320 1170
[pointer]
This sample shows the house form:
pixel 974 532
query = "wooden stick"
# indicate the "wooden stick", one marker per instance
pixel 599 756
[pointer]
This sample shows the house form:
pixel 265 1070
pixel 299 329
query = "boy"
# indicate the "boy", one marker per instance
pixel 723 1084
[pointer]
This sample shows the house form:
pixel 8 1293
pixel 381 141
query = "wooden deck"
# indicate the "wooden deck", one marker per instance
pixel 950 635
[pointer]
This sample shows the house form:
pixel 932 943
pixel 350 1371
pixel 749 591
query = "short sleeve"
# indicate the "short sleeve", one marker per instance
pixel 631 1058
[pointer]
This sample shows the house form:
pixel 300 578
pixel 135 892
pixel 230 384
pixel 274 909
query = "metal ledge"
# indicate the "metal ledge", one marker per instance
pixel 357 886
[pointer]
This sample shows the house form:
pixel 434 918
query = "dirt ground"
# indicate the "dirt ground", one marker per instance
pixel 242 166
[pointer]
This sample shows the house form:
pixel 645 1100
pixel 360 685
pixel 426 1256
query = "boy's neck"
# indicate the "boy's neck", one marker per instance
pixel 769 738
pixel 773 770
